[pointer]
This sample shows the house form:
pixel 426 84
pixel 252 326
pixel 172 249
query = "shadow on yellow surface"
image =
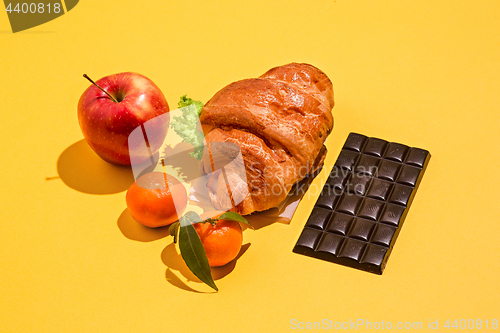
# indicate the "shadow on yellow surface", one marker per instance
pixel 133 230
pixel 263 219
pixel 174 262
pixel 178 158
pixel 81 169
pixel 176 281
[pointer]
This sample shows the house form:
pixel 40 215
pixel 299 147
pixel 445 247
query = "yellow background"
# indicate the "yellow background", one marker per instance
pixel 423 73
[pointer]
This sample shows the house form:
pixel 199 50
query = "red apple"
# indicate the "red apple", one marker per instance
pixel 111 108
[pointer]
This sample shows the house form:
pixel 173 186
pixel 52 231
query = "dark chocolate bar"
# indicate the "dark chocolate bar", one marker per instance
pixel 362 207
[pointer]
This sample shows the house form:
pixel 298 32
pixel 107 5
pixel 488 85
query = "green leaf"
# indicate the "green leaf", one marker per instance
pixel 193 217
pixel 232 216
pixel 192 249
pixel 173 230
pixel 186 101
pixel 186 125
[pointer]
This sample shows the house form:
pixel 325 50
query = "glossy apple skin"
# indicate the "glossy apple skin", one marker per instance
pixel 106 125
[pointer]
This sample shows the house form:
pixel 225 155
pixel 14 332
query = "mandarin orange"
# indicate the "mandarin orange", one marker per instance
pixel 156 199
pixel 222 239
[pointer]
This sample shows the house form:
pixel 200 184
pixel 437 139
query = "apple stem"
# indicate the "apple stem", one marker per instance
pixel 98 86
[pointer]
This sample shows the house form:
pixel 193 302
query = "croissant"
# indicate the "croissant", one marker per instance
pixel 279 122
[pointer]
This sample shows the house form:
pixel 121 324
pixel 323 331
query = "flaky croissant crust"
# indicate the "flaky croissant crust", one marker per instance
pixel 280 122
